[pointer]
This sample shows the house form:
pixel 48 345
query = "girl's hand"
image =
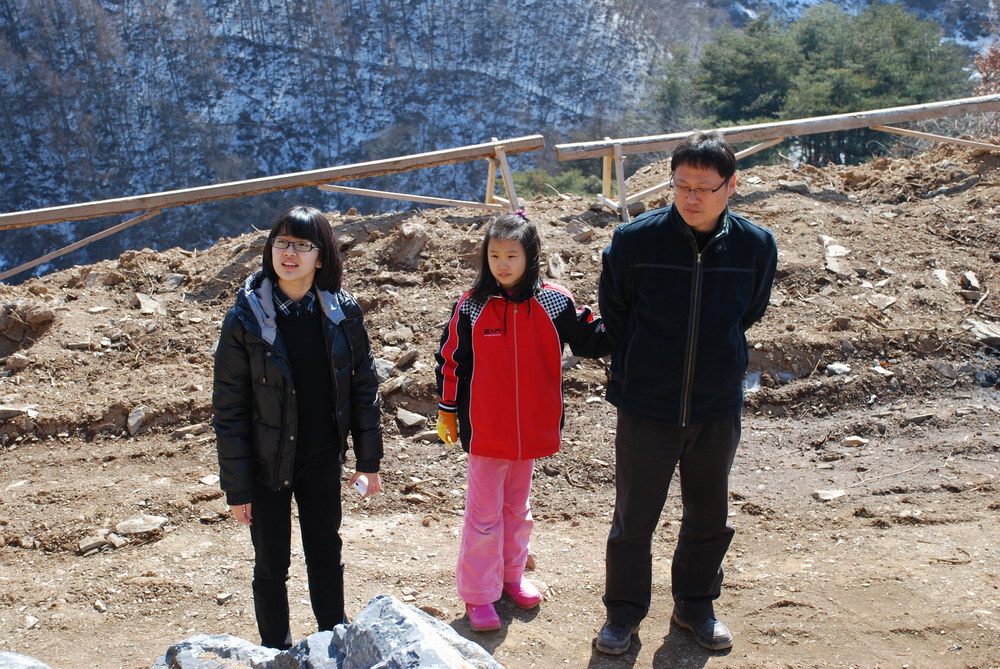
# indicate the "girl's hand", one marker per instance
pixel 374 483
pixel 242 513
pixel 447 427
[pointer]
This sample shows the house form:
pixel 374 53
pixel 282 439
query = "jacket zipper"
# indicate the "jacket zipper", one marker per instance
pixel 517 390
pixel 692 341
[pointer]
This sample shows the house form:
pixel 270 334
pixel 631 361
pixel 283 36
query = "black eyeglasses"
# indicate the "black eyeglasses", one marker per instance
pixel 301 247
pixel 697 192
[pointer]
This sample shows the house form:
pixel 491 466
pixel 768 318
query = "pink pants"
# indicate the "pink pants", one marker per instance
pixel 497 528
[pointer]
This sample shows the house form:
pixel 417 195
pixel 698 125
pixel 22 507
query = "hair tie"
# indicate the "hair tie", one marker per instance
pixel 520 212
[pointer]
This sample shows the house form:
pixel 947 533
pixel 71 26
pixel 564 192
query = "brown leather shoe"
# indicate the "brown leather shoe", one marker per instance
pixel 707 630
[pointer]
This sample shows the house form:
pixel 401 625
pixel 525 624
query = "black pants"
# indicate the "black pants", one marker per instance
pixel 317 495
pixel 647 453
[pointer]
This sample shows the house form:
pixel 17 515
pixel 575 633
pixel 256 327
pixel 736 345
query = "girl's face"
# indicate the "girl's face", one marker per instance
pixel 507 262
pixel 293 265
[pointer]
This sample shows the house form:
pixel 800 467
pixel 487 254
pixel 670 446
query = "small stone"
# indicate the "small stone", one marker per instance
pixel 426 435
pixel 970 282
pixel 414 498
pixel 879 369
pixel 148 305
pixel 93 542
pixel 117 541
pixel 407 358
pixel 945 369
pixel 100 607
pixel 223 598
pixel 7 411
pixel 555 267
pixel 800 187
pixel 141 525
pixel 30 622
pixel 828 495
pixel 17 361
pixel 838 369
pixel 210 479
pixel 409 418
pixel 854 440
pixel 136 418
pixel 918 418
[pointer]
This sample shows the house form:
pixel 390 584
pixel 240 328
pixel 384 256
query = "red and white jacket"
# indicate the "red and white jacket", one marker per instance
pixel 500 368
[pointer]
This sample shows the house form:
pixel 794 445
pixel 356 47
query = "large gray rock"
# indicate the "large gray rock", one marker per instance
pixel 391 634
pixel 222 651
pixel 388 634
pixel 15 661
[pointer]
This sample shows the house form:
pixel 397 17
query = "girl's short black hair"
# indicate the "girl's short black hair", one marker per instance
pixel 514 227
pixel 308 223
pixel 705 150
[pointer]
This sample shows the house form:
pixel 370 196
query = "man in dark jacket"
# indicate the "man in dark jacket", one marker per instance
pixel 679 288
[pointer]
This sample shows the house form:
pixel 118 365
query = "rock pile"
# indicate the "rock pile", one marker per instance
pixel 387 633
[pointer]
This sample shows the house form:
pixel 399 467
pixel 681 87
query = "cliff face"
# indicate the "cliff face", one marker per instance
pixel 108 98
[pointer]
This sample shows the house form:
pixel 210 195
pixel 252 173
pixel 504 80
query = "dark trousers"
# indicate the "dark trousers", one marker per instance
pixel 647 453
pixel 317 496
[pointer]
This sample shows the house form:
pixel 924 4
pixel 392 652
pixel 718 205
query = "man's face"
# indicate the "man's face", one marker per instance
pixel 701 212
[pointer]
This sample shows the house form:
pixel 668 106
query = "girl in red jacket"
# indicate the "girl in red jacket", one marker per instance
pixel 499 378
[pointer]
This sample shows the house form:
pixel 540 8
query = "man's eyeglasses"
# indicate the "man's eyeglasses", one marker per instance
pixel 684 191
pixel 301 247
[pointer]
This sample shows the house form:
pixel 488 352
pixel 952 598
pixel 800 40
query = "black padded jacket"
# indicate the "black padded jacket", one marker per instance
pixel 676 315
pixel 253 397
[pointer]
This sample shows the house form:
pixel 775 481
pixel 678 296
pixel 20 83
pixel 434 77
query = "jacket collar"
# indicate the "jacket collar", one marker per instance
pixel 257 293
pixel 677 221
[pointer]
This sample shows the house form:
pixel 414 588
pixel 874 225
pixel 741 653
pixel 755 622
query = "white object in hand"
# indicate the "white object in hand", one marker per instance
pixel 361 485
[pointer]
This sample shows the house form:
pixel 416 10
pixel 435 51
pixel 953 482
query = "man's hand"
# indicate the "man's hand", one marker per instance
pixel 241 512
pixel 447 427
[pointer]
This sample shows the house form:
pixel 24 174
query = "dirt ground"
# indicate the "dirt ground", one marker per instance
pixel 900 567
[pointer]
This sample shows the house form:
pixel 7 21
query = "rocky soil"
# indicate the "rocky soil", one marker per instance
pixel 865 494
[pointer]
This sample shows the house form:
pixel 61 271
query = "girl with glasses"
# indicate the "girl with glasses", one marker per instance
pixel 294 375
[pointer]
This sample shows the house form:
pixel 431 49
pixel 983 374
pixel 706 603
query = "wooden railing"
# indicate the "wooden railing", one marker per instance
pixel 613 151
pixel 494 152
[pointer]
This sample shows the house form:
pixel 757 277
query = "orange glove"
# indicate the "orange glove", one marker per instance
pixel 447 427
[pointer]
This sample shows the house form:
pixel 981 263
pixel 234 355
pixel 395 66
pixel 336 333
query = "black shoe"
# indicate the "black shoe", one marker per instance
pixel 707 631
pixel 615 638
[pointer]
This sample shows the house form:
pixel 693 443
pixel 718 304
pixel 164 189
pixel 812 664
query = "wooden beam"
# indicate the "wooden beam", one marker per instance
pixel 646 193
pixel 609 203
pixel 76 212
pixel 508 180
pixel 80 244
pixel 937 138
pixel 807 126
pixel 409 198
pixel 759 147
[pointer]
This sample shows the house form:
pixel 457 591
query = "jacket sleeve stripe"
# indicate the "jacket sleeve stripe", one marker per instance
pixel 448 360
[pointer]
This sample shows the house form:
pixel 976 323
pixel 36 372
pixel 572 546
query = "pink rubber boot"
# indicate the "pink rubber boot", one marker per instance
pixel 524 594
pixel 482 617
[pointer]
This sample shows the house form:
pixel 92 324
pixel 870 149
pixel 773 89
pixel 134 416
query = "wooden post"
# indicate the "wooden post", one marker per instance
pixel 491 181
pixel 606 162
pixel 508 180
pixel 620 173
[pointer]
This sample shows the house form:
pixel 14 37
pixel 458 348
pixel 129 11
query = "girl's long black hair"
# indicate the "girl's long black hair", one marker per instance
pixel 514 227
pixel 308 223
